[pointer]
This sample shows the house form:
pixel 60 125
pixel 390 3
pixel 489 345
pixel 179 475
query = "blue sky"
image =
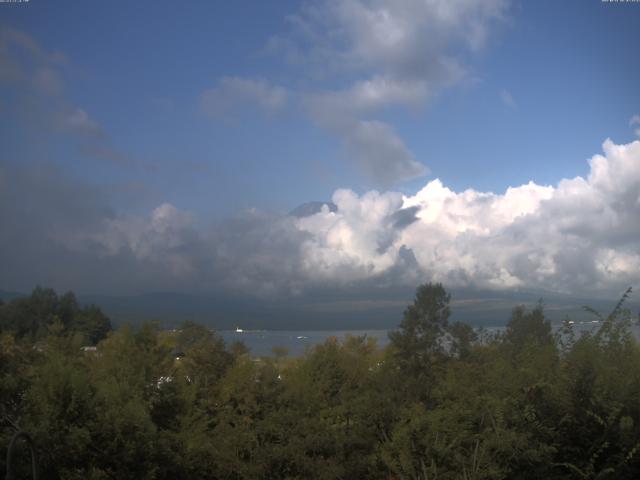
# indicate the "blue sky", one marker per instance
pixel 217 108
pixel 139 71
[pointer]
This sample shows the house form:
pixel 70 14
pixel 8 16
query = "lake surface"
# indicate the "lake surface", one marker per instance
pixel 261 342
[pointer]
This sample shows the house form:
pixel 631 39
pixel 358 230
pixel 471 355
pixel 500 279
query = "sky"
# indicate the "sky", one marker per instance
pixel 162 146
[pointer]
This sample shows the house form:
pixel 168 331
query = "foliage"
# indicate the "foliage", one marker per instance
pixel 439 402
pixel 31 317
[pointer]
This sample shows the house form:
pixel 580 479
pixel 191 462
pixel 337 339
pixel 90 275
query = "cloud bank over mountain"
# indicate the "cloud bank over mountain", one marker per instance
pixel 580 236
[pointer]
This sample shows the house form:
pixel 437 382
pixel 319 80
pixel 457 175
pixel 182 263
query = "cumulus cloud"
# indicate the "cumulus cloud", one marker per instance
pixel 231 92
pixel 580 236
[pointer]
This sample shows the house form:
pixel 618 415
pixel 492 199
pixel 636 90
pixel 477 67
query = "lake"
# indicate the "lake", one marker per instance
pixel 261 342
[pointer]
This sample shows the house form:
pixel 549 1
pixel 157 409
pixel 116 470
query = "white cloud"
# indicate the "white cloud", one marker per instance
pixel 159 238
pixel 507 98
pixel 345 245
pixel 579 236
pixel 231 92
pixel 367 97
pixel 164 239
pixel 386 54
pixel 375 55
pixel 372 144
pixel 403 37
pixel 382 54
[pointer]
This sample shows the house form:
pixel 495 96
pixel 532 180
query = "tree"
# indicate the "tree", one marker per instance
pixel 31 317
pixel 524 327
pixel 419 342
pixel 206 358
pixel 94 324
pixel 67 309
pixel 462 337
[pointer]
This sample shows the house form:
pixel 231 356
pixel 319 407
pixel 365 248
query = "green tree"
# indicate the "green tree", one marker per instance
pixel 528 326
pixel 30 317
pixel 419 345
pixel 91 322
pixel 206 359
pixel 463 337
